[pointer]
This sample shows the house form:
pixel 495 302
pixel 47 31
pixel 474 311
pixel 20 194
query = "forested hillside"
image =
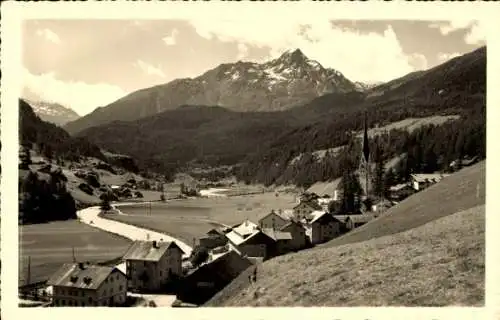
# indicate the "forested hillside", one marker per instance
pixel 261 145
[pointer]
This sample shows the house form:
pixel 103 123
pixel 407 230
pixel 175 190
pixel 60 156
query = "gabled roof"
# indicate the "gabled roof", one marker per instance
pixel 245 228
pixel 293 222
pixel 285 215
pixel 277 235
pixel 317 215
pixel 310 204
pixel 423 177
pixel 361 218
pixel 145 250
pixel 87 277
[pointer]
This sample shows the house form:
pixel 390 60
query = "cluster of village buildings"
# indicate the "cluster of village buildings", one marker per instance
pixel 151 265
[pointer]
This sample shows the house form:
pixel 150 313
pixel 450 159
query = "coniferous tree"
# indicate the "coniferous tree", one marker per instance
pixel 378 177
pixel 389 180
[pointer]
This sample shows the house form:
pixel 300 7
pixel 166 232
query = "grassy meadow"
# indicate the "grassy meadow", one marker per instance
pixel 50 245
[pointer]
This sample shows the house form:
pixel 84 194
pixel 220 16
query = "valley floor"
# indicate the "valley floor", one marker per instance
pixel 437 264
pixel 191 218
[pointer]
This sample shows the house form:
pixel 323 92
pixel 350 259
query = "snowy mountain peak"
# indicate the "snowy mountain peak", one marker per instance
pixel 53 112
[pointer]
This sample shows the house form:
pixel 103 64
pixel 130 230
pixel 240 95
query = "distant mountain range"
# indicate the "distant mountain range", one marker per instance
pixel 280 84
pixel 264 142
pixel 53 112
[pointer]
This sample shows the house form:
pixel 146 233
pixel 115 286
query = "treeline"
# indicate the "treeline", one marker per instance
pixel 42 200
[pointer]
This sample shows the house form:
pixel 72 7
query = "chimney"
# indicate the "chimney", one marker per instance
pixel 155 244
pixel 81 265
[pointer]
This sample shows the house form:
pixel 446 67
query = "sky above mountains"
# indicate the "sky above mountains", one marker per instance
pixel 84 64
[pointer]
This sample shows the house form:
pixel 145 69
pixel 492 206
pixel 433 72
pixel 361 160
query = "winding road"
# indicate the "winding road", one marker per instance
pixel 91 217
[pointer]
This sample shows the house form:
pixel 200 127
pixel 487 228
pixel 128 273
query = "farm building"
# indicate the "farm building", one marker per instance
pixel 305 208
pixel 401 191
pixel 151 265
pixel 298 233
pixel 201 284
pixel 79 284
pixel 274 220
pixel 248 240
pixel 282 239
pixel 421 181
pixel 214 238
pixel 321 226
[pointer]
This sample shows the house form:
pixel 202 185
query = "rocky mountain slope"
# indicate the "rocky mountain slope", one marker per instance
pixel 53 112
pixel 279 84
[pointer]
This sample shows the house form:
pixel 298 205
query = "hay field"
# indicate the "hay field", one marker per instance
pixel 441 263
pixel 192 218
pixel 50 245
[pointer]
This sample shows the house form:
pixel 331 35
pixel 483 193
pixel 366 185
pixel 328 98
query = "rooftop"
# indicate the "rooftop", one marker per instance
pixel 147 251
pixel 83 276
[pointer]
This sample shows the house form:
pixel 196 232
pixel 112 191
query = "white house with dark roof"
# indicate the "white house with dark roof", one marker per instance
pixel 151 264
pixel 80 285
pixel 248 240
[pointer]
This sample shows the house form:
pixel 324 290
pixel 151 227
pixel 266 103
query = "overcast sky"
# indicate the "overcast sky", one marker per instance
pixel 84 64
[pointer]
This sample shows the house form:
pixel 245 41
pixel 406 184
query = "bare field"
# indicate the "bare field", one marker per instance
pixel 192 218
pixel 49 245
pixel 441 263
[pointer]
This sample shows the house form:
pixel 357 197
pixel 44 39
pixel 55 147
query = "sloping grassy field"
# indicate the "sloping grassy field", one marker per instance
pixel 462 190
pixel 441 263
pixel 358 259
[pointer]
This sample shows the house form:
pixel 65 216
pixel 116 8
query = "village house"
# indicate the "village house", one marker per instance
pixel 274 220
pixel 248 240
pixel 298 233
pixel 401 191
pixel 283 241
pixel 421 181
pixel 305 208
pixel 200 284
pixel 321 226
pixel 214 238
pixel 151 265
pixel 80 284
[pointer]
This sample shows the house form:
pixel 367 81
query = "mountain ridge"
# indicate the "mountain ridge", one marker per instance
pixel 275 85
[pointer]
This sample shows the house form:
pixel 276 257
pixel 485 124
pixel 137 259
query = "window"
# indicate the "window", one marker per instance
pixel 90 299
pixel 63 302
pixel 104 292
pixel 111 279
pixel 70 303
pixel 83 304
pixel 160 273
pixel 121 287
pixel 111 291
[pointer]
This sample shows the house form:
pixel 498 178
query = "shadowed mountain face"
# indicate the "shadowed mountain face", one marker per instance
pixel 279 84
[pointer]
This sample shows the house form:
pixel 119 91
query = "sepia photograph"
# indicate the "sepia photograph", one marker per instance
pixel 191 163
